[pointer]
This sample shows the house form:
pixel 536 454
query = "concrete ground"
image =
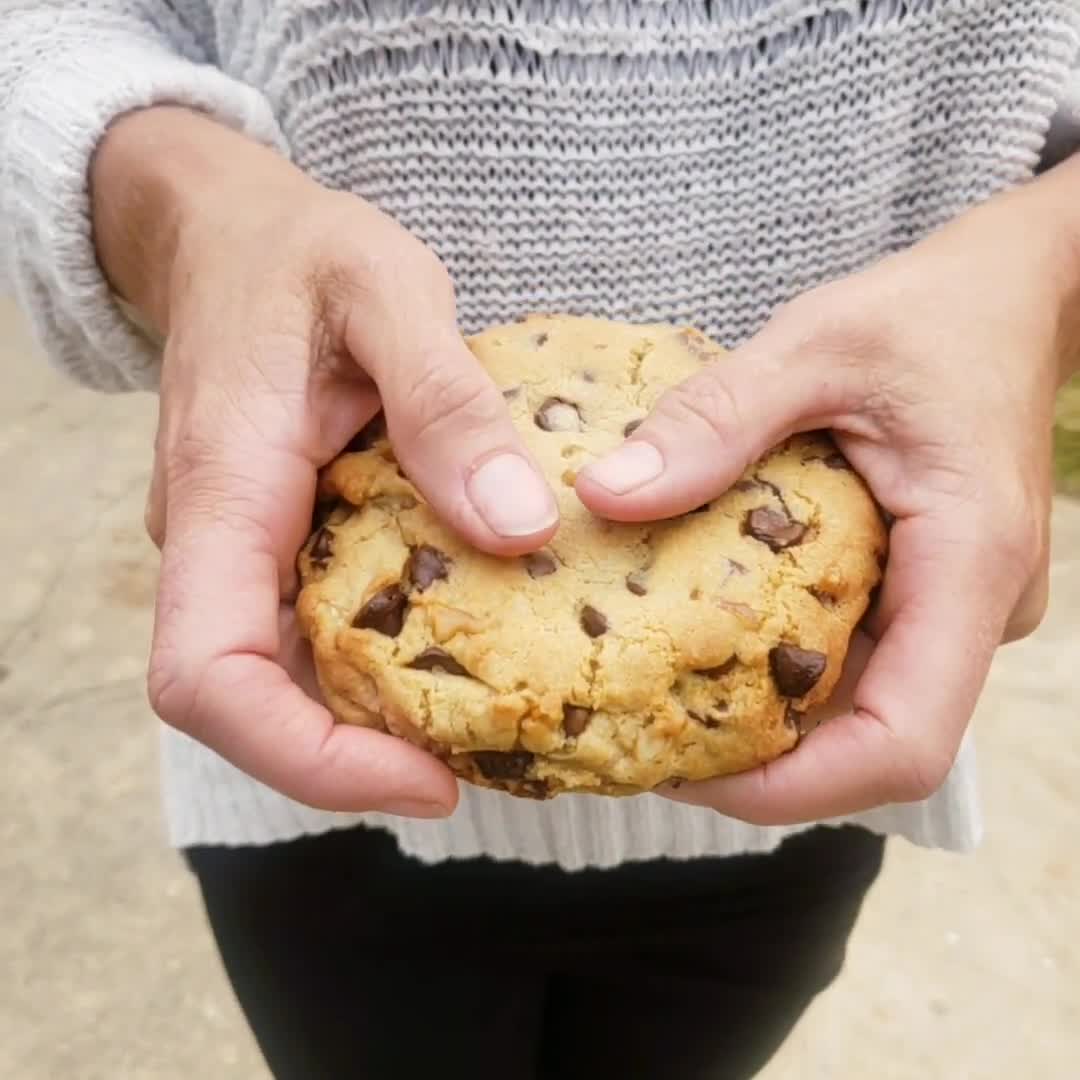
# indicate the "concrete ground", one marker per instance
pixel 960 968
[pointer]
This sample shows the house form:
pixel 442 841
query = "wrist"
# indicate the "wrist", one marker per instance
pixel 158 175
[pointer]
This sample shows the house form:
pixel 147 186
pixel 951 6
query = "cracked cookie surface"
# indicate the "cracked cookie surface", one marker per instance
pixel 618 656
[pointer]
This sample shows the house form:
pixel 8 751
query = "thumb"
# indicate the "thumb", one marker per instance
pixel 453 435
pixel 703 433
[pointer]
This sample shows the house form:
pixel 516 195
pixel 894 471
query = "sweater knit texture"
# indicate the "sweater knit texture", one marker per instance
pixel 698 161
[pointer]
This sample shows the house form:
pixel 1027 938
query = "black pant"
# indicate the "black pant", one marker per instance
pixel 352 961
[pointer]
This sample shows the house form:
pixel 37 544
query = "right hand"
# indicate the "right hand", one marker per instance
pixel 291 315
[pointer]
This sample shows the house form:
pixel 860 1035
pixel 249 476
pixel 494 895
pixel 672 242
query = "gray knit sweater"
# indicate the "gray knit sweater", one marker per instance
pixel 691 160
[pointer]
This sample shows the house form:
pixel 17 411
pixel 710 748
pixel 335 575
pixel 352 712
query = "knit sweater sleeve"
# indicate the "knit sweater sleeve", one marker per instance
pixel 68 69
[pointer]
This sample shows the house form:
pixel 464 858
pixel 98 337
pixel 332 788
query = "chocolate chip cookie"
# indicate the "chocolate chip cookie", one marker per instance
pixel 618 656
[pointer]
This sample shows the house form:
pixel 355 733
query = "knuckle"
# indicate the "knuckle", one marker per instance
pixel 445 399
pixel 918 772
pixel 418 272
pixel 388 268
pixel 1029 613
pixel 826 320
pixel 1026 620
pixel 706 402
pixel 1021 542
pixel 189 452
pixel 224 508
pixel 207 488
pixel 171 671
pixel 421 260
pixel 167 688
pixel 1019 554
pixel 385 301
pixel 316 771
pixel 178 671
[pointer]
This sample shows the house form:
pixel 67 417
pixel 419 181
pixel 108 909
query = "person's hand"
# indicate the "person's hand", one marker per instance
pixel 936 369
pixel 290 314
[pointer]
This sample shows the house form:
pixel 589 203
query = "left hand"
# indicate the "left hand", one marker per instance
pixel 936 370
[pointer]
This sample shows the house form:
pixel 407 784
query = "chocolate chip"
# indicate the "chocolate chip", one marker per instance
pixel 592 622
pixel 540 340
pixel 710 722
pixel 575 719
pixel 435 659
pixel 774 529
pixel 322 547
pixel 502 765
pixel 720 670
pixel 836 460
pixel 822 596
pixel 540 563
pixel 557 414
pixel 425 566
pixel 368 435
pixel 631 427
pixel 511 392
pixel 384 612
pixel 795 671
pixel 534 789
pixel 636 582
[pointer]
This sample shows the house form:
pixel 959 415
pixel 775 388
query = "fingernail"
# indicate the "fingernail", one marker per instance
pixel 511 498
pixel 415 808
pixel 633 465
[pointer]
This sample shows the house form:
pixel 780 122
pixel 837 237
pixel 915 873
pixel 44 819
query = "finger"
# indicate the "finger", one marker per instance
pixel 909 708
pixel 233 512
pixel 1031 607
pixel 1026 616
pixel 452 432
pixel 703 433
